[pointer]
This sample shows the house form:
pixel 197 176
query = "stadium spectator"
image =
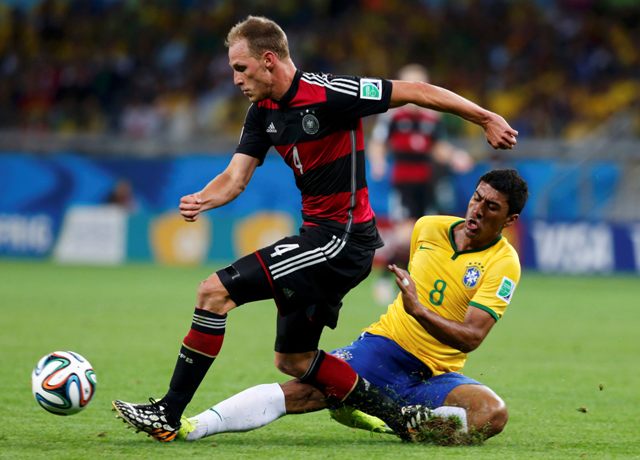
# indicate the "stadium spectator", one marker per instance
pixel 463 275
pixel 314 121
pixel 421 160
pixel 122 195
pixel 556 68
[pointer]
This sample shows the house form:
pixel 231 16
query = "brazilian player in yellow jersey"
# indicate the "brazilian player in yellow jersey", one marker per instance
pixel 462 276
pixel 449 281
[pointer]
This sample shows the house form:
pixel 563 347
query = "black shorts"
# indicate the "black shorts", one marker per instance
pixel 414 200
pixel 307 275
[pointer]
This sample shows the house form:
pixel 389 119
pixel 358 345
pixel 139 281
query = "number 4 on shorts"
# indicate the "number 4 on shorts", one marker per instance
pixel 280 249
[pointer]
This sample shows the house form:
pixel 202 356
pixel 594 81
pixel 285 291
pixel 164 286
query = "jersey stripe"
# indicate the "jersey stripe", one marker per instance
pixel 320 207
pixel 337 173
pixel 340 86
pixel 317 152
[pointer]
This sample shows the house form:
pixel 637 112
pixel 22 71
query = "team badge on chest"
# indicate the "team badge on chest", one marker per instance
pixel 310 123
pixel 471 277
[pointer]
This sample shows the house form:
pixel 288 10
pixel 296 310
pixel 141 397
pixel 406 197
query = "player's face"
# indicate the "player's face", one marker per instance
pixel 249 74
pixel 487 214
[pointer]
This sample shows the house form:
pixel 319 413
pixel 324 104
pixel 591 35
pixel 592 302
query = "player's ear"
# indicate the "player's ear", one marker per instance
pixel 269 60
pixel 511 219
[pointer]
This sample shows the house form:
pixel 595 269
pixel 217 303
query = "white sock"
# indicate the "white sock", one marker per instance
pixel 250 409
pixel 448 411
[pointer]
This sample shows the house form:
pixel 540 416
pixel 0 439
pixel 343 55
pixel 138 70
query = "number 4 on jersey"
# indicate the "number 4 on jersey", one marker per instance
pixel 296 159
pixel 282 248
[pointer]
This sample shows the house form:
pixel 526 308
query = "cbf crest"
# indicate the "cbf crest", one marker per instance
pixel 310 123
pixel 343 354
pixel 471 276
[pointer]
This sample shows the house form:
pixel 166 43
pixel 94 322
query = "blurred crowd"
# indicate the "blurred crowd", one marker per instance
pixel 554 68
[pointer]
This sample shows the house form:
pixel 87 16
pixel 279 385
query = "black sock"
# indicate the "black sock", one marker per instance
pixel 190 370
pixel 199 349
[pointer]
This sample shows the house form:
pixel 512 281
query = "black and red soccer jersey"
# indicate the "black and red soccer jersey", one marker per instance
pixel 317 129
pixel 410 133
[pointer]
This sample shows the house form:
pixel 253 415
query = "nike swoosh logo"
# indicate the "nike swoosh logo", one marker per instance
pixel 425 247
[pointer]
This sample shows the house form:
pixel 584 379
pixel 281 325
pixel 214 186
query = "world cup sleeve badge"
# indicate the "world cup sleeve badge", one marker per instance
pixel 506 289
pixel 371 88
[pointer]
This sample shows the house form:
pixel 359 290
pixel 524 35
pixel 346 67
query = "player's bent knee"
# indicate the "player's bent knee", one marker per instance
pixel 486 411
pixel 490 421
pixel 294 364
pixel 213 296
pixel 290 368
pixel 497 421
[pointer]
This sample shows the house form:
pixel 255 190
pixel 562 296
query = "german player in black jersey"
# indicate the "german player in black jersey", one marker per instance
pixel 314 122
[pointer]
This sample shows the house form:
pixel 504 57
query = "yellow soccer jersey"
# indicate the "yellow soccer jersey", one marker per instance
pixel 448 281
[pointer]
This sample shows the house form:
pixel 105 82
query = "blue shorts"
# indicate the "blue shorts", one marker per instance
pixel 398 373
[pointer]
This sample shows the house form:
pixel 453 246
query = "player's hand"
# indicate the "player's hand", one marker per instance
pixel 191 207
pixel 461 162
pixel 408 289
pixel 499 134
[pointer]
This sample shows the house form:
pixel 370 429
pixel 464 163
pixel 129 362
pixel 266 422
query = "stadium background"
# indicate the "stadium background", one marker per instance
pixel 110 111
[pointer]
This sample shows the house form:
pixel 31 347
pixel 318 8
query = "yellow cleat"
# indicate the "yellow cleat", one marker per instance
pixel 354 418
pixel 186 426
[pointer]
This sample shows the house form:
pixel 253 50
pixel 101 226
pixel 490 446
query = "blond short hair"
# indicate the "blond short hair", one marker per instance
pixel 262 34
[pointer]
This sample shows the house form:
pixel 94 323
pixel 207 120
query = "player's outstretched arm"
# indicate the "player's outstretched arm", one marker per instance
pixel 497 131
pixel 222 189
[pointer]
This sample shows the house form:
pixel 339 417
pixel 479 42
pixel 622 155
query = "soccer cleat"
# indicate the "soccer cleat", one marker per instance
pixel 415 419
pixel 187 426
pixel 150 418
pixel 354 418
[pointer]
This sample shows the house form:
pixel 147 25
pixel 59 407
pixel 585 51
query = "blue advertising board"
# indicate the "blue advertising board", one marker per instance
pixel 37 193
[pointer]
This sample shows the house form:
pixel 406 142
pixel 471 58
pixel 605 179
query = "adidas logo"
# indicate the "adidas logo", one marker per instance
pixel 272 129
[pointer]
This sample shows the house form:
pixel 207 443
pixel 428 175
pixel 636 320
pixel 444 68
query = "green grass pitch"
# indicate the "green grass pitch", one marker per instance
pixel 564 358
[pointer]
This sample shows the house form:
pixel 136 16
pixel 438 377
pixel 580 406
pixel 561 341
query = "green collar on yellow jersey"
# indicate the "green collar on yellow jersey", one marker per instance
pixel 452 241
